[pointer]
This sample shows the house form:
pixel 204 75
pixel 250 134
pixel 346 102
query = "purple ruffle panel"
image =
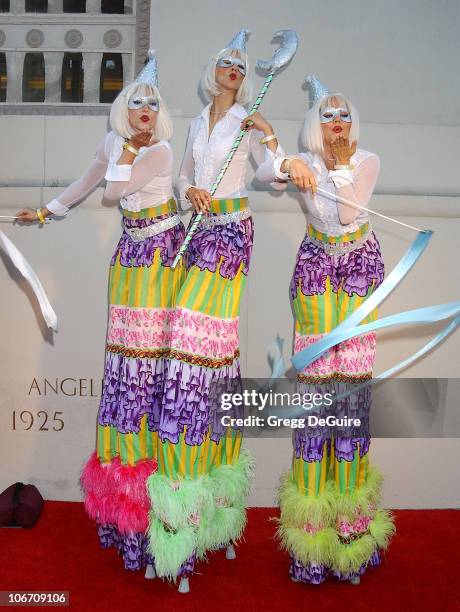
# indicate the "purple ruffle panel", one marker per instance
pixel 316 574
pixel 142 253
pixel 132 387
pixel 134 549
pixel 191 400
pixel 311 574
pixel 354 272
pixel 312 448
pixel 230 241
pixel 310 442
pixel 175 395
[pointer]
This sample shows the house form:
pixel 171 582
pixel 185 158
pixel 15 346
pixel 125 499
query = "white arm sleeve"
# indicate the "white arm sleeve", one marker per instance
pixel 187 170
pixel 356 186
pixel 125 179
pixel 270 171
pixel 265 158
pixel 80 188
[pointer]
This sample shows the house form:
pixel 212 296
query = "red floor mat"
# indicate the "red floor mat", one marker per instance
pixel 420 570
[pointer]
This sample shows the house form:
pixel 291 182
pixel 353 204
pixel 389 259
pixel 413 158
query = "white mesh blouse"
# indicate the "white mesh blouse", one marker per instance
pixel 325 214
pixel 205 154
pixel 145 183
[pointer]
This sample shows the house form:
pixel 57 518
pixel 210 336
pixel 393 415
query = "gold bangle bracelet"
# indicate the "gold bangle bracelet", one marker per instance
pixel 344 166
pixel 130 148
pixel 267 139
pixel 40 216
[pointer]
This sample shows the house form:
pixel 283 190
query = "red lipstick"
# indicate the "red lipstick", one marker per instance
pixel 233 76
pixel 337 129
pixel 145 118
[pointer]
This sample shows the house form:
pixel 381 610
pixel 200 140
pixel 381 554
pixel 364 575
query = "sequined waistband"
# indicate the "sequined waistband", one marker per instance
pixel 339 245
pixel 138 234
pixel 169 207
pixel 208 221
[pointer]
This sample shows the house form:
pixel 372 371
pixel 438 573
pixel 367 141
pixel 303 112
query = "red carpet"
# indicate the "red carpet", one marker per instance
pixel 420 571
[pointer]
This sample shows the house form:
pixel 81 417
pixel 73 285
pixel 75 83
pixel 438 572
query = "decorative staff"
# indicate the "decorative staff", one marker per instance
pixel 281 57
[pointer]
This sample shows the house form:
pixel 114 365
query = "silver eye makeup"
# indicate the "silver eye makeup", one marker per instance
pixel 138 102
pixel 331 112
pixel 227 62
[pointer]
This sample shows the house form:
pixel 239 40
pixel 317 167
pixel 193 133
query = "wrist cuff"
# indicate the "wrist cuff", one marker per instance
pixel 57 208
pixel 341 177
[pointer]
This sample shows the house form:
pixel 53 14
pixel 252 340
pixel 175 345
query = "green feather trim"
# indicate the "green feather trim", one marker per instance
pixel 350 557
pixel 232 482
pixel 298 508
pixel 225 526
pixel 382 528
pixel 361 498
pixel 174 506
pixel 170 550
pixel 319 548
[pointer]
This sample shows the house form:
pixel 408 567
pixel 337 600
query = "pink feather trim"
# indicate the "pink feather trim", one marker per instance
pixel 116 494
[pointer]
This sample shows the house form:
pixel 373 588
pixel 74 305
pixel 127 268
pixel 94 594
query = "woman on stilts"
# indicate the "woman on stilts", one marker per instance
pixel 136 160
pixel 199 492
pixel 330 521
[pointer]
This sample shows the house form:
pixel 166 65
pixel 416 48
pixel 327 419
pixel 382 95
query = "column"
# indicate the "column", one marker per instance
pixel 56 6
pixel 18 7
pixel 53 71
pixel 14 68
pixel 127 61
pixel 93 7
pixel 92 76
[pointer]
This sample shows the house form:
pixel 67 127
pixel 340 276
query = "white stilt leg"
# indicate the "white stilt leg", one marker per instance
pixel 184 586
pixel 230 552
pixel 150 573
pixel 355 580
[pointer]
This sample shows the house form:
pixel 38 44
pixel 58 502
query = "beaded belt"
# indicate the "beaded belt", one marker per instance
pixel 137 234
pixel 340 248
pixel 233 217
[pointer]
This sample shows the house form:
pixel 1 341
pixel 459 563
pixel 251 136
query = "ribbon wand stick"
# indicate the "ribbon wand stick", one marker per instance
pixel 334 196
pixel 280 58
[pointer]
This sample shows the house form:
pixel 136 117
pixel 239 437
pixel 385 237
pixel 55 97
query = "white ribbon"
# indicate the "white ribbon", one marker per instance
pixel 20 262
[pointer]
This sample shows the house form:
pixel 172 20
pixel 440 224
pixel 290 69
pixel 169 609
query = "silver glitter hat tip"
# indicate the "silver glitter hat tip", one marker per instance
pixel 149 73
pixel 238 42
pixel 317 88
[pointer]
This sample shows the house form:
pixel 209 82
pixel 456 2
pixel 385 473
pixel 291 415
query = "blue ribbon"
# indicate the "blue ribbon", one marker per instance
pixel 351 323
pixel 350 327
pixel 428 314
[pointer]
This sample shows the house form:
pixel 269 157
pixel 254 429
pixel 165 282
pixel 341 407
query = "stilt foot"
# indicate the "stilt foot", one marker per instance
pixel 355 580
pixel 150 573
pixel 230 552
pixel 184 586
